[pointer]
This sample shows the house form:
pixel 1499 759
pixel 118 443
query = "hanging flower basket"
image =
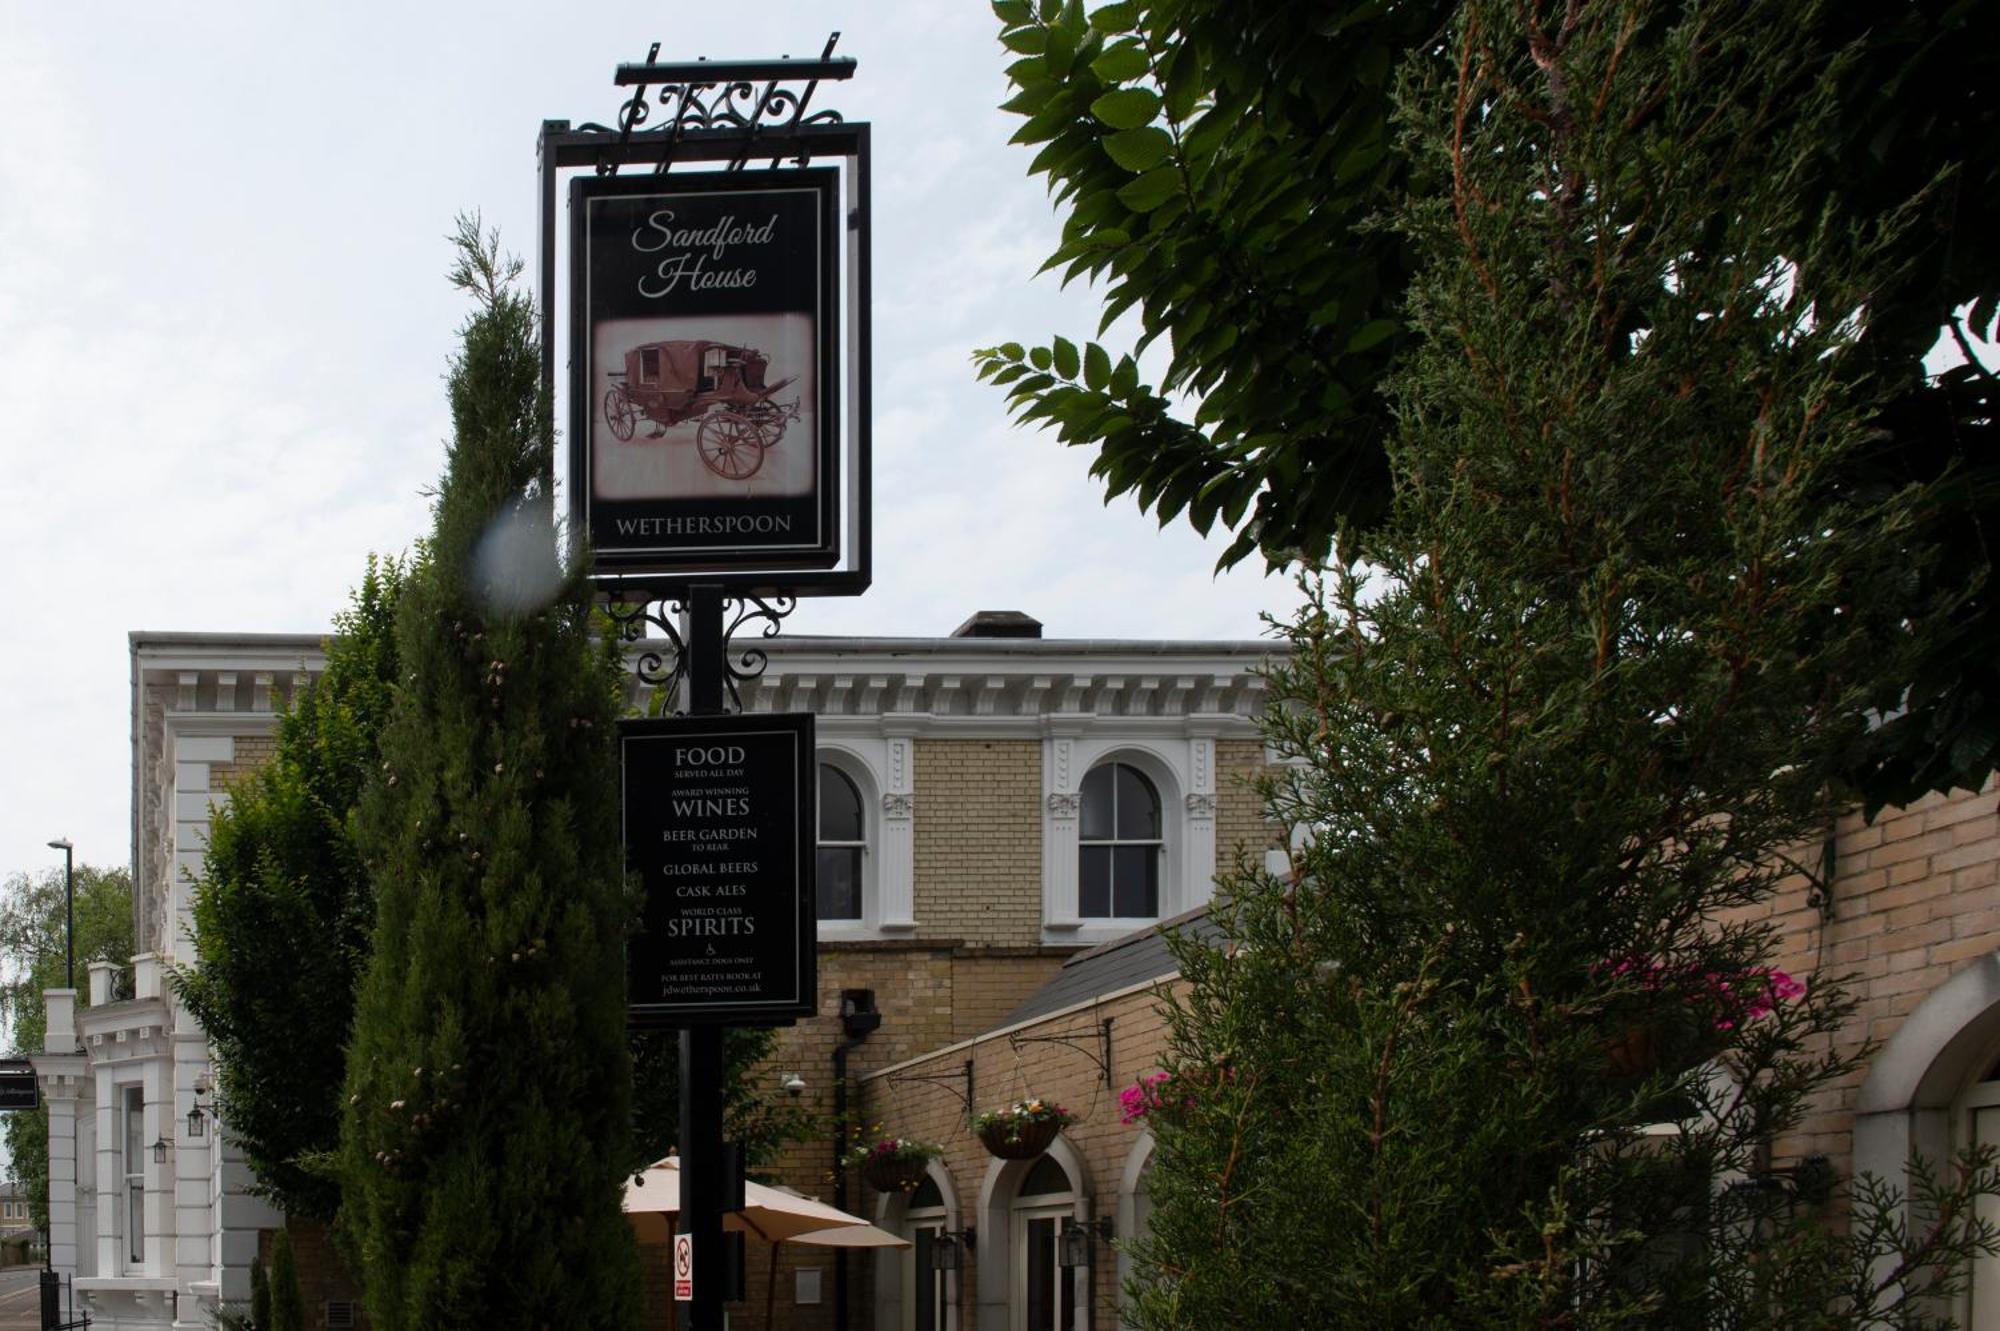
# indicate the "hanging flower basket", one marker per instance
pixel 892 1164
pixel 1023 1130
pixel 894 1173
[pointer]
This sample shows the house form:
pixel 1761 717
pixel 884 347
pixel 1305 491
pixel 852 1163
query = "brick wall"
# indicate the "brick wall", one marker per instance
pixel 1005 1070
pixel 1916 898
pixel 322 1276
pixel 1239 813
pixel 978 840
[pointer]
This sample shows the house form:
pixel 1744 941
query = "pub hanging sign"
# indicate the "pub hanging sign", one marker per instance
pixel 720 826
pixel 703 382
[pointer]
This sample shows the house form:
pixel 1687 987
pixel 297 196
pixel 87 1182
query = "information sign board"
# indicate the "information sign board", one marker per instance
pixel 704 404
pixel 720 821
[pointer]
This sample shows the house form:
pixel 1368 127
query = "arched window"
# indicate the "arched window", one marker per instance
pixel 1119 845
pixel 843 835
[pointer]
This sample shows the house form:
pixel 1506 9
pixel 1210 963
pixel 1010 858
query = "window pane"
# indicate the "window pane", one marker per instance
pixel 1097 822
pixel 1138 806
pixel 1042 1276
pixel 1093 882
pixel 1045 1179
pixel 926 1282
pixel 839 806
pixel 1135 876
pixel 927 1195
pixel 839 882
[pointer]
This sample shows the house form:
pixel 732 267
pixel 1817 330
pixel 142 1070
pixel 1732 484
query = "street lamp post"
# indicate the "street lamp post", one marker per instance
pixel 69 909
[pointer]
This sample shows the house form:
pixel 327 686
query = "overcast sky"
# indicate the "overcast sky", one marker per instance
pixel 224 322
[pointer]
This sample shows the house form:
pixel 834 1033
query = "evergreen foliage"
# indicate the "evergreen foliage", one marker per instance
pixel 288 1306
pixel 1505 1049
pixel 486 1133
pixel 32 921
pixel 260 1297
pixel 282 911
pixel 1220 167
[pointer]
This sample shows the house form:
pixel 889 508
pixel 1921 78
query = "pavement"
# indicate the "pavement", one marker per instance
pixel 20 1301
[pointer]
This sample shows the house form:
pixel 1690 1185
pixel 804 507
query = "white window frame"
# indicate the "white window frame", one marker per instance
pixel 944 1284
pixel 132 1176
pixel 880 769
pixel 1059 1207
pixel 1116 840
pixel 864 861
pixel 1179 760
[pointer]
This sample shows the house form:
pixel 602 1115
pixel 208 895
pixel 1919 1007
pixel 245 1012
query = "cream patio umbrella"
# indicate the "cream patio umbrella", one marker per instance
pixel 768 1213
pixel 846 1236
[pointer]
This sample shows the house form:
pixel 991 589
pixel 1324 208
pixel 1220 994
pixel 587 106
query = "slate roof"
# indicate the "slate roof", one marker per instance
pixel 1137 957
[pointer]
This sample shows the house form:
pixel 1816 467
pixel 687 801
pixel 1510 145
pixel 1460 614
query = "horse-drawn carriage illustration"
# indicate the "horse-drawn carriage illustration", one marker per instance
pixel 723 385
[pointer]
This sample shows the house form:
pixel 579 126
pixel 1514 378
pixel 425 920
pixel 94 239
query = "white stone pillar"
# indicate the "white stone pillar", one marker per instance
pixel 1061 806
pixel 896 863
pixel 1198 848
pixel 61 1077
pixel 59 1036
pixel 193 800
pixel 110 1174
pixel 193 1166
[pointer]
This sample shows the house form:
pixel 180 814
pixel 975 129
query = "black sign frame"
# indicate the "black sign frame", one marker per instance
pixel 786 966
pixel 640 248
pixel 749 151
pixel 19 1088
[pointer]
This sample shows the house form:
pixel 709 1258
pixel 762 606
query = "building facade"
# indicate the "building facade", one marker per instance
pixel 993 804
pixel 1005 822
pixel 150 1212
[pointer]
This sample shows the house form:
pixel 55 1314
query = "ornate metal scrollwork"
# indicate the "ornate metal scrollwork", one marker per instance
pixel 663 664
pixel 738 670
pixel 777 109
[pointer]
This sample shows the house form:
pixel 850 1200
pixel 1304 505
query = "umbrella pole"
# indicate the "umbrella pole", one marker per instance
pixel 771 1290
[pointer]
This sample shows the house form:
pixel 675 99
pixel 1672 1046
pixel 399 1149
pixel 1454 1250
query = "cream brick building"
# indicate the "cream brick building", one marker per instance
pixel 969 871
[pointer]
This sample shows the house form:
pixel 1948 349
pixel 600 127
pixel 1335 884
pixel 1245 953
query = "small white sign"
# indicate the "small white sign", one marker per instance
pixel 683 1268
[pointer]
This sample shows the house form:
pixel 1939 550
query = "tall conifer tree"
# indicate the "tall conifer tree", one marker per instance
pixel 486 1129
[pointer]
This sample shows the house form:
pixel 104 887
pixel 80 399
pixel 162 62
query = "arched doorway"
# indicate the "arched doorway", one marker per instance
pixel 928 1302
pixel 1977 1123
pixel 1023 1207
pixel 1044 1294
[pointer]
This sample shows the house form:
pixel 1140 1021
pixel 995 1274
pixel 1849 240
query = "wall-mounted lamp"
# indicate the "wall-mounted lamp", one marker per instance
pixel 198 1114
pixel 792 1084
pixel 1075 1240
pixel 160 1151
pixel 949 1247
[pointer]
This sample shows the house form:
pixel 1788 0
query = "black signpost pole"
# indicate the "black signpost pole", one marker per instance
pixel 702 1184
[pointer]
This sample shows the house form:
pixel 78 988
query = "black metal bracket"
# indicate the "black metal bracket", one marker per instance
pixel 944 1079
pixel 664 665
pixel 1079 1041
pixel 722 95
